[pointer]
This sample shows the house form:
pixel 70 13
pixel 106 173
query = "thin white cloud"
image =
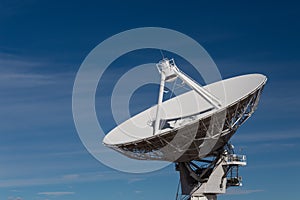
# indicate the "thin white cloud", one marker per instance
pixel 15 198
pixel 20 72
pixel 83 177
pixel 133 180
pixel 60 193
pixel 276 165
pixel 18 79
pixel 138 191
pixel 70 176
pixel 14 190
pixel 10 61
pixel 268 136
pixel 237 191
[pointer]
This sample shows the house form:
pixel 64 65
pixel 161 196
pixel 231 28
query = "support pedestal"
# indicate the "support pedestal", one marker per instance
pixel 205 182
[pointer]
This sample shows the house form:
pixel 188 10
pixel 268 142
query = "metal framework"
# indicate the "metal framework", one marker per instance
pixel 169 72
pixel 152 148
pixel 205 179
pixel 203 174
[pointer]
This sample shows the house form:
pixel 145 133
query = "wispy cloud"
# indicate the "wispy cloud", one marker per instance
pixel 276 165
pixel 268 136
pixel 67 178
pixel 237 191
pixel 15 198
pixel 70 176
pixel 27 90
pixel 138 191
pixel 11 61
pixel 78 178
pixel 60 193
pixel 29 80
pixel 20 72
pixel 133 180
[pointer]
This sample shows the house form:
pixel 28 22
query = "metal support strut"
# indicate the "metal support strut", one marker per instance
pixel 160 98
pixel 169 72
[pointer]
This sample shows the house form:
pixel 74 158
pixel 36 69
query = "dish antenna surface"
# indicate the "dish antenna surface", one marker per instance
pixel 193 131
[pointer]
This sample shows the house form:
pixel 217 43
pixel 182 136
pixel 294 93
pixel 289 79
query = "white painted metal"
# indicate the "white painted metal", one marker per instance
pixel 234 159
pixel 199 89
pixel 206 197
pixel 165 67
pixel 169 72
pixel 189 103
pixel 197 105
pixel 160 99
pixel 217 181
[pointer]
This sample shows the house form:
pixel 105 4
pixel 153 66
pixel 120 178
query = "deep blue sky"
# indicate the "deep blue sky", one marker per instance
pixel 42 44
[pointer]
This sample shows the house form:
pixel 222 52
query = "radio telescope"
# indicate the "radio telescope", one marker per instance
pixel 193 130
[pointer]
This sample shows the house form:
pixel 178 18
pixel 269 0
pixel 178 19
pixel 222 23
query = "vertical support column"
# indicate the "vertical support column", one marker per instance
pixel 160 99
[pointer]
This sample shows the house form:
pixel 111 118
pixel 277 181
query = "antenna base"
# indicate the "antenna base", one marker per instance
pixel 205 179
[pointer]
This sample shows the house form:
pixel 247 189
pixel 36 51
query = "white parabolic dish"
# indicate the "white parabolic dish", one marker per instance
pixel 239 95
